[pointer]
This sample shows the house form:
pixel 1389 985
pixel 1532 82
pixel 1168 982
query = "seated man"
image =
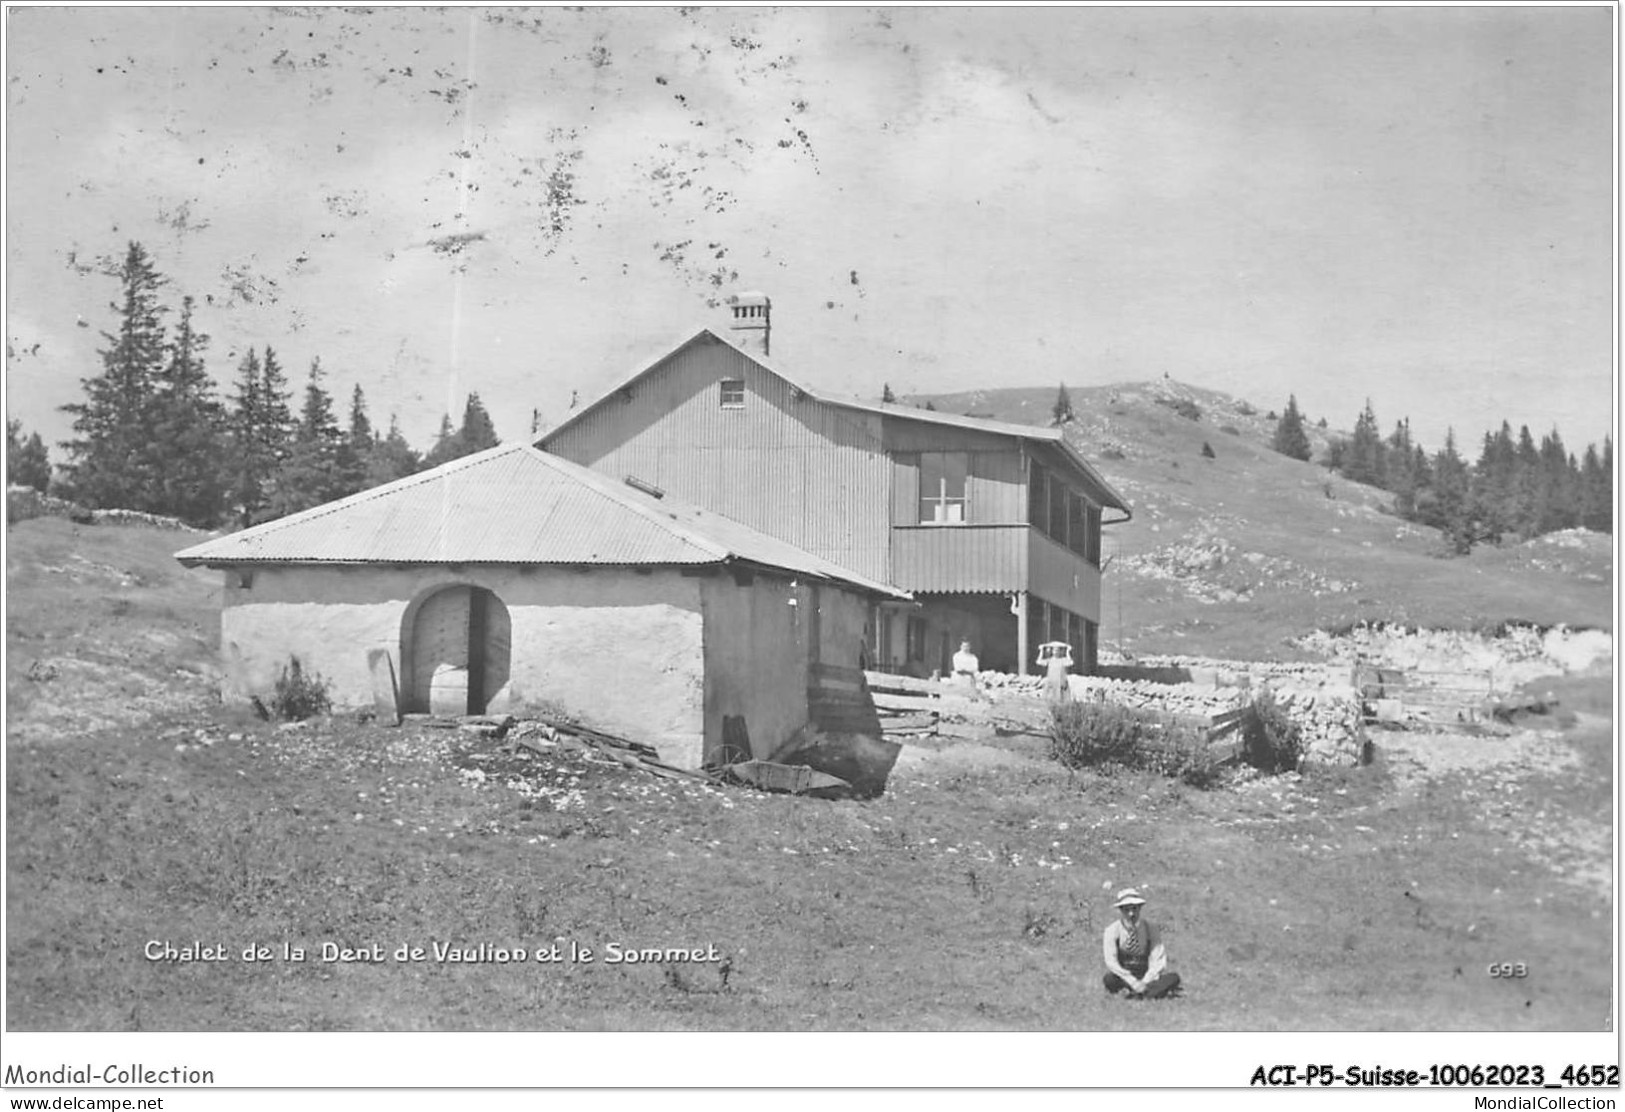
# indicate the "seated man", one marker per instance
pixel 1135 959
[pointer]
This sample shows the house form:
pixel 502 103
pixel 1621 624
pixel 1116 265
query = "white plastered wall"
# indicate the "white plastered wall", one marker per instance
pixel 621 648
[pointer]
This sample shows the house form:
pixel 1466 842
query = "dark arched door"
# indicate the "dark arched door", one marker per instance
pixel 459 646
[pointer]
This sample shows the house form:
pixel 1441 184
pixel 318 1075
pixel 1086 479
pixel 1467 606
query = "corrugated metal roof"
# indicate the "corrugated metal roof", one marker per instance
pixel 903 412
pixel 513 504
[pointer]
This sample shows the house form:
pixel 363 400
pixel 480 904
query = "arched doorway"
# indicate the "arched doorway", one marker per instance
pixel 458 646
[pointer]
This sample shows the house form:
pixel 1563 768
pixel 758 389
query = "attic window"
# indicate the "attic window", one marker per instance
pixel 732 395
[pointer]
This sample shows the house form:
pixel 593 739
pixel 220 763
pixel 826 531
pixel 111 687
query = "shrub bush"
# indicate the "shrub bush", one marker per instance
pixel 1207 451
pixel 1107 736
pixel 1273 741
pixel 299 695
pixel 1230 429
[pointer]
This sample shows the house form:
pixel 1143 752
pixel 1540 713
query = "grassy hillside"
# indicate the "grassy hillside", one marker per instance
pixel 103 627
pixel 970 896
pixel 1234 555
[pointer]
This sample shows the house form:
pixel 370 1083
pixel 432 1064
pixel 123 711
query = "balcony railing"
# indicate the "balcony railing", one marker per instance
pixel 992 558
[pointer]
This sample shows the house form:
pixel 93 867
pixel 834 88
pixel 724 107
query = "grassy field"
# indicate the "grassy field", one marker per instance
pixel 970 896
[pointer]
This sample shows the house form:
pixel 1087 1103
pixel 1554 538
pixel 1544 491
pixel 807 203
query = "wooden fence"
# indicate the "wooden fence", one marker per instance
pixel 1441 697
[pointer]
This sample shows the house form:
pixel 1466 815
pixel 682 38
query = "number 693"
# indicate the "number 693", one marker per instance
pixel 1509 969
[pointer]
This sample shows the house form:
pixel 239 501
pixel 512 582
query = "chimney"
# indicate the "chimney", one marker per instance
pixel 752 322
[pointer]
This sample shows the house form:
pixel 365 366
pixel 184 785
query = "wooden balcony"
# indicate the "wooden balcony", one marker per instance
pixel 955 558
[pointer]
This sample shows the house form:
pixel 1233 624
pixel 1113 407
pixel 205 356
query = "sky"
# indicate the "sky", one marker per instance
pixel 1412 205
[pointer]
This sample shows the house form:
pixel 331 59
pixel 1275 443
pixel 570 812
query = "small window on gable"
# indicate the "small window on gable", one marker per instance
pixel 732 394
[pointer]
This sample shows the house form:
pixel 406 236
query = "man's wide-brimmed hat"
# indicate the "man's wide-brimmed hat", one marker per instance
pixel 1129 897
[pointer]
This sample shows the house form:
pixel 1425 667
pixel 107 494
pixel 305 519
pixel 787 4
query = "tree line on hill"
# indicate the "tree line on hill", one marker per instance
pixel 154 434
pixel 1516 488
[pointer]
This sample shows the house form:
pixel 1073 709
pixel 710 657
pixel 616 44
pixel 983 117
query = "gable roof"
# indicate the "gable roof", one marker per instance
pixel 1050 436
pixel 513 504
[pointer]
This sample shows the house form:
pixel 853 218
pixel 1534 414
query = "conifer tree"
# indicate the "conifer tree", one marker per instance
pixel 1363 461
pixel 28 462
pixel 1559 486
pixel 1526 484
pixel 1290 438
pixel 1401 479
pixel 190 430
pixel 1062 410
pixel 392 457
pixel 447 444
pixel 886 396
pixel 262 434
pixel 477 431
pixel 355 446
pixel 310 474
pixel 111 461
pixel 278 426
pixel 1494 488
pixel 249 468
pixel 1597 489
pixel 1446 506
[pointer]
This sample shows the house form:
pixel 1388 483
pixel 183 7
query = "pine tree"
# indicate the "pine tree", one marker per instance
pixel 1062 410
pixel 1494 495
pixel 477 431
pixel 262 430
pixel 112 462
pixel 310 474
pixel 28 463
pixel 190 430
pixel 886 396
pixel 1526 484
pixel 361 436
pixel 1290 438
pixel 1446 506
pixel 277 428
pixel 355 446
pixel 1363 462
pixel 249 469
pixel 1400 476
pixel 1559 486
pixel 447 446
pixel 1597 490
pixel 392 457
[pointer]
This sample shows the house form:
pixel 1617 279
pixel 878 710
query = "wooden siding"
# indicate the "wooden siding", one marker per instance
pixel 1064 578
pixel 998 493
pixel 903 435
pixel 905 489
pixel 960 557
pixel 809 473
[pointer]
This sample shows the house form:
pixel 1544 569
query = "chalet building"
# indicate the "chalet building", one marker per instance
pixel 513 578
pixel 994 528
